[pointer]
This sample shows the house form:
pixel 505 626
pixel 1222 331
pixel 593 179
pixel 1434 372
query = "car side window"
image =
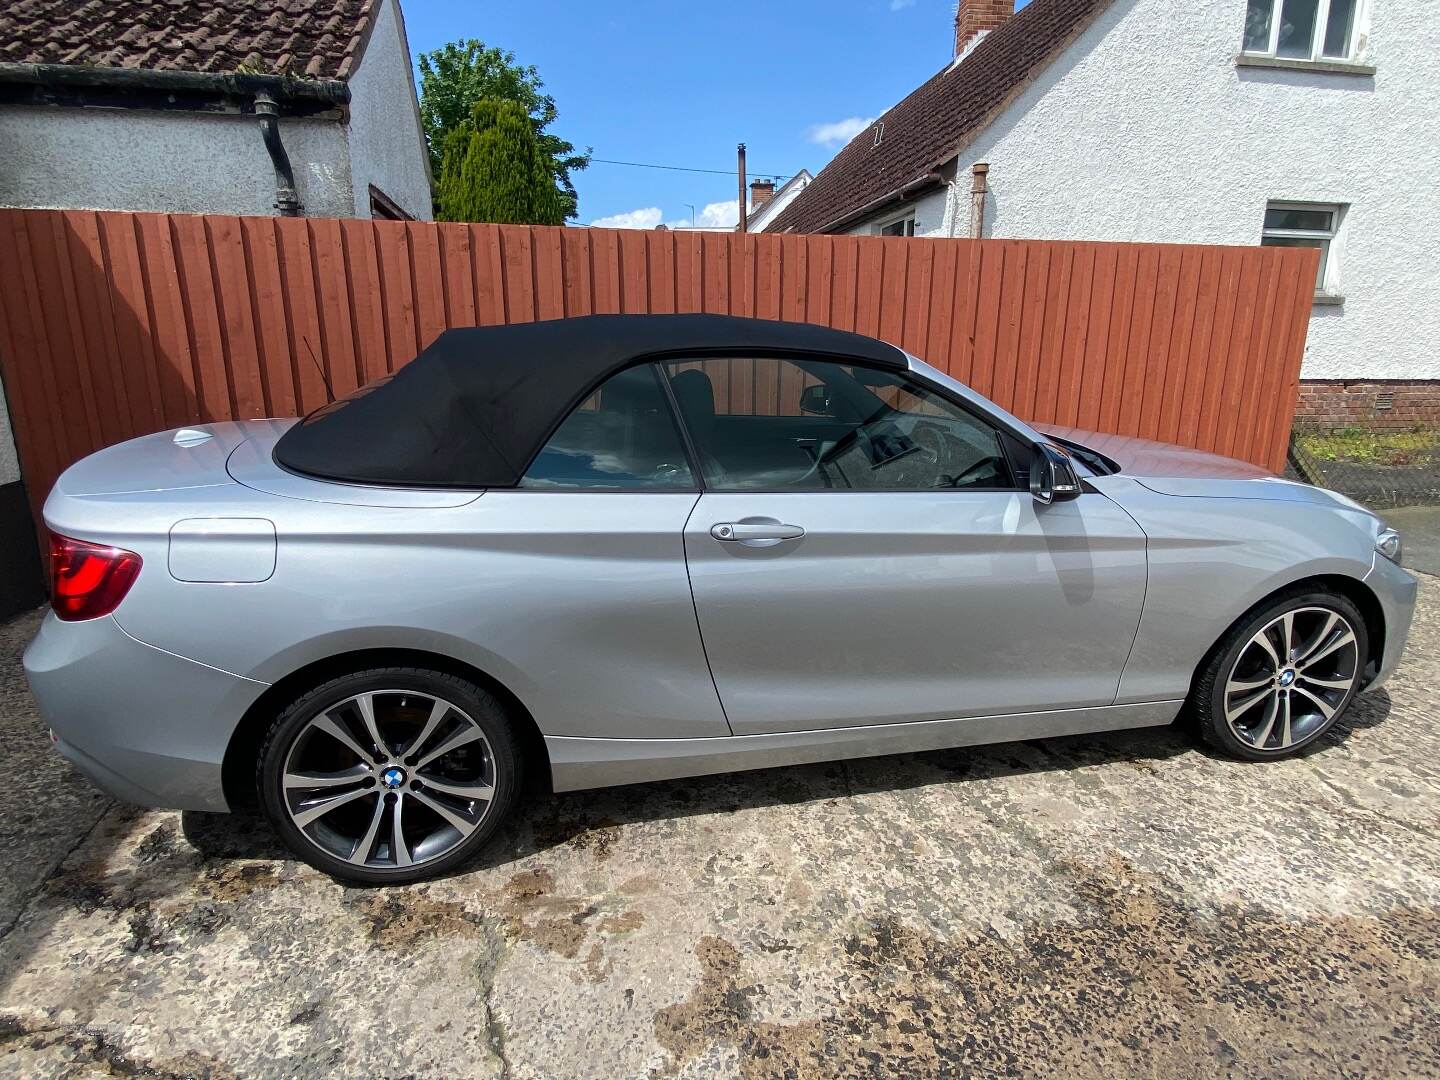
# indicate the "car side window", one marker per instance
pixel 773 424
pixel 623 437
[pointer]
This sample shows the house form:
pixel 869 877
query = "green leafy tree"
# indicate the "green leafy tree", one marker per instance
pixel 492 169
pixel 456 77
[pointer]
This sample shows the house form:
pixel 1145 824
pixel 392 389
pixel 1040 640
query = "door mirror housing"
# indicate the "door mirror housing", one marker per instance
pixel 1052 477
pixel 815 400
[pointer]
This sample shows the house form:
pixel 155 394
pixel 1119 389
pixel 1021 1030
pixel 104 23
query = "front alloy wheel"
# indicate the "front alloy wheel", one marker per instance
pixel 1291 678
pixel 1282 676
pixel 374 780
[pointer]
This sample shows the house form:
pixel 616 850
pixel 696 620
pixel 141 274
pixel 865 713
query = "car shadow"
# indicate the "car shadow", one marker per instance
pixel 544 821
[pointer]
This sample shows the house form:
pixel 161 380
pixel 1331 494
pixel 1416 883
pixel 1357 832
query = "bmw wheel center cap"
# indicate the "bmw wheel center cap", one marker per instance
pixel 393 777
pixel 1286 678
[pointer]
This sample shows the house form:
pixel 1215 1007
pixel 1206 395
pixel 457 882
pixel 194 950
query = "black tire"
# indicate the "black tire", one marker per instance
pixel 1242 732
pixel 498 755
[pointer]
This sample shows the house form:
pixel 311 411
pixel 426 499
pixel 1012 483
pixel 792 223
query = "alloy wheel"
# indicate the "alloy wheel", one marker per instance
pixel 1291 678
pixel 389 779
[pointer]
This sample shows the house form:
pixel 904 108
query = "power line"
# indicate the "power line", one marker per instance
pixel 683 168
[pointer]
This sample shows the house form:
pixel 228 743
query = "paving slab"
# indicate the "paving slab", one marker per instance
pixel 1087 907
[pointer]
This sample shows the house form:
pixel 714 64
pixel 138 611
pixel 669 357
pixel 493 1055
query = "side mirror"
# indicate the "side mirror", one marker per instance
pixel 815 400
pixel 1052 477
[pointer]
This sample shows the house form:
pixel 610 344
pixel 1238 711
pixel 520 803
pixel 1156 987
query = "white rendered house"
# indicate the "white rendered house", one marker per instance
pixel 1312 122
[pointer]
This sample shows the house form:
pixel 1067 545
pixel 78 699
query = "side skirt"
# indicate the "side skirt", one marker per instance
pixel 576 763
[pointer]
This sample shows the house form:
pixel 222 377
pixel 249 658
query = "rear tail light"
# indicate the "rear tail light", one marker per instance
pixel 88 580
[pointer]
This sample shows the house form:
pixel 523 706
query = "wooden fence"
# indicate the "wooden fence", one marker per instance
pixel 113 325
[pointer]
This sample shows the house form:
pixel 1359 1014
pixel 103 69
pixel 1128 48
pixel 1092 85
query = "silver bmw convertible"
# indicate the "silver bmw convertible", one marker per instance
pixel 625 548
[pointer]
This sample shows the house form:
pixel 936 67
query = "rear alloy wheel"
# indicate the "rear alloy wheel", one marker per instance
pixel 389 776
pixel 1283 677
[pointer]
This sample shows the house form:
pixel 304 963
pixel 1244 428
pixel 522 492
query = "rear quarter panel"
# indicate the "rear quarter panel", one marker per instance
pixel 579 604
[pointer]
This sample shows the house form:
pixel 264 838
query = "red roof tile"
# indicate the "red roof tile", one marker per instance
pixel 936 121
pixel 312 39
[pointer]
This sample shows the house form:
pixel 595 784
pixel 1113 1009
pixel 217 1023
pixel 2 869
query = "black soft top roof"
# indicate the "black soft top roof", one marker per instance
pixel 474 408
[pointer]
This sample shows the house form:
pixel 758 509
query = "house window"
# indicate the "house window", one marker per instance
pixel 901 227
pixel 1292 224
pixel 1302 29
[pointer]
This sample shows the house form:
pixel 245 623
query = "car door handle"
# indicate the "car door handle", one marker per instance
pixel 743 531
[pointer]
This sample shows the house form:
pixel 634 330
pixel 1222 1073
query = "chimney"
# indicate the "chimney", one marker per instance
pixel 761 192
pixel 974 17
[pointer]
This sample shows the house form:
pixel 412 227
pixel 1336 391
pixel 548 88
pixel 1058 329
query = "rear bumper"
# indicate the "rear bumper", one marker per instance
pixel 1396 589
pixel 145 725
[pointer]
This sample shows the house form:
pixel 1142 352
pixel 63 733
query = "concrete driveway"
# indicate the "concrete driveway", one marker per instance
pixel 1420 528
pixel 1096 906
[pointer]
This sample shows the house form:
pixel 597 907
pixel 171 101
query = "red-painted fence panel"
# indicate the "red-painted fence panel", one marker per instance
pixel 114 325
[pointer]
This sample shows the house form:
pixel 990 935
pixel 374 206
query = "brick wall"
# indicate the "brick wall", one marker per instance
pixel 1337 403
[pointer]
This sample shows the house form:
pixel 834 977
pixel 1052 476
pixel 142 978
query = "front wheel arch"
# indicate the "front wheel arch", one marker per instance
pixel 1353 589
pixel 238 768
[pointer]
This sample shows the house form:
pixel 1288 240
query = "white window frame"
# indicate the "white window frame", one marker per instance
pixel 1327 283
pixel 1317 41
pixel 907 217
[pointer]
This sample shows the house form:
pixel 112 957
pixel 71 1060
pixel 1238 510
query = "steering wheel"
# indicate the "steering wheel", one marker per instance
pixel 933 443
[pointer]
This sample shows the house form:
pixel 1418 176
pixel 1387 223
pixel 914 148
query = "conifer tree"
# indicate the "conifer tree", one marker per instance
pixel 456 76
pixel 493 169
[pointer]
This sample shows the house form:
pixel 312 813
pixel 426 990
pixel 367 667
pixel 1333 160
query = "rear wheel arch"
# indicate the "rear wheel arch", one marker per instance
pixel 243 750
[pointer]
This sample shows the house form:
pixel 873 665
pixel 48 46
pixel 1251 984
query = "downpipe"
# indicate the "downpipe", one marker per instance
pixel 286 200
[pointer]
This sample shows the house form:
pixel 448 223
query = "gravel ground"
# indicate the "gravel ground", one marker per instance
pixel 1096 906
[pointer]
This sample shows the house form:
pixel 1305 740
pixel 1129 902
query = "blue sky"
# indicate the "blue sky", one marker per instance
pixel 682 83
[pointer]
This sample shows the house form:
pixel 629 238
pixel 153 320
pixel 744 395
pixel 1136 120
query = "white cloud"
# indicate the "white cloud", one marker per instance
pixel 838 132
pixel 896 5
pixel 715 215
pixel 645 218
pixel 718 214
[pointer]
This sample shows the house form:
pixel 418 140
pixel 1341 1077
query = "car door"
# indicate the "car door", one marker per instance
pixel 883 564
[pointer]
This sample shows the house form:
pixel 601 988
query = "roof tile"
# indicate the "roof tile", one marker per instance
pixel 937 120
pixel 320 39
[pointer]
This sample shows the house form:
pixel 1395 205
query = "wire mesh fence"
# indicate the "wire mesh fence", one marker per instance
pixel 1379 463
